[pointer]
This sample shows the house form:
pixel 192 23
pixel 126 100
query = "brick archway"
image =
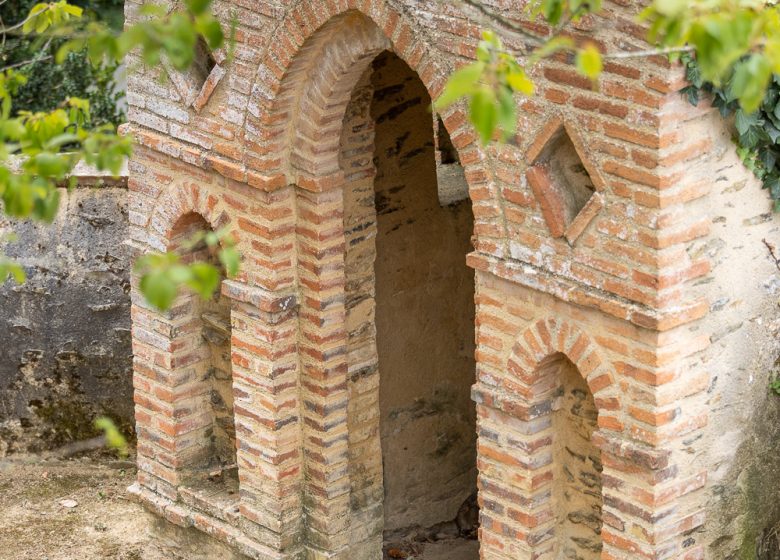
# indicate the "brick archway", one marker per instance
pixel 516 445
pixel 179 200
pixel 182 367
pixel 303 84
pixel 535 387
pixel 550 336
pixel 302 122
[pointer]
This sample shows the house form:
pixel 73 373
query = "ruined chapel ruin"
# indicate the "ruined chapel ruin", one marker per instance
pixel 568 326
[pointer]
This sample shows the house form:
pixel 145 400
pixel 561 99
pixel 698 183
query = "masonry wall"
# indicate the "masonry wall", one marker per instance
pixel 424 312
pixel 65 355
pixel 739 449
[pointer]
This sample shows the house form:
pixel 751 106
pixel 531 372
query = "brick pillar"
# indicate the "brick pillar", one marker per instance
pixel 323 362
pixel 169 392
pixel 265 386
pixel 360 231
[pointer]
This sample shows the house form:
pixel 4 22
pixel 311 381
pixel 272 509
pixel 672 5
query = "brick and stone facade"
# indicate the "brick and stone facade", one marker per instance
pixel 337 388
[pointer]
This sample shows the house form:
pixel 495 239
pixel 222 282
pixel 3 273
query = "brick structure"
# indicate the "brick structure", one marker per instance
pixel 596 267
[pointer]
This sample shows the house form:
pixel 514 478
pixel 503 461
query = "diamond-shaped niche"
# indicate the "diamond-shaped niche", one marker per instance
pixel 564 180
pixel 198 83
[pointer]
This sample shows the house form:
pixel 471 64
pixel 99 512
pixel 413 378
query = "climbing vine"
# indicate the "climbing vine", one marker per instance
pixel 757 133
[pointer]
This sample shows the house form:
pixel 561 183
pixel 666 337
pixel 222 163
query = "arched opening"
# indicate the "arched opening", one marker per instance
pixel 204 388
pixel 410 322
pixel 576 481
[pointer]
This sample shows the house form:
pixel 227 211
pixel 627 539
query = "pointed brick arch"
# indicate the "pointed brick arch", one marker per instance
pixel 519 462
pixel 300 90
pixel 551 336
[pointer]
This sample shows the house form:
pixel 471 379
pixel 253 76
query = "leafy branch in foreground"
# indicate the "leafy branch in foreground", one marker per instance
pixel 49 144
pixel 48 83
pixel 164 273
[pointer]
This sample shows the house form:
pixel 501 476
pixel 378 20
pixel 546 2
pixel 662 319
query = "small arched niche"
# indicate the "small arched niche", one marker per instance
pixel 576 481
pixel 202 331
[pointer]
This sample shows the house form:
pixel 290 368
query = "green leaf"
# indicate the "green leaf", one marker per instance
pixel 483 112
pixel 551 47
pixel 751 137
pixel 750 79
pixel 72 10
pixel 158 289
pixel 519 81
pixel 772 131
pixel 692 94
pixel 36 13
pixel 198 7
pixel 552 10
pixel 588 61
pixel 744 121
pixel 46 207
pixel 230 259
pixel 507 112
pixel 211 31
pixel 114 438
pixel 9 268
pixel 768 158
pixel 461 83
pixel 669 7
pixel 204 279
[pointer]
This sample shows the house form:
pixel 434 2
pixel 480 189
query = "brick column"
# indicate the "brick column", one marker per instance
pixel 168 392
pixel 266 408
pixel 323 361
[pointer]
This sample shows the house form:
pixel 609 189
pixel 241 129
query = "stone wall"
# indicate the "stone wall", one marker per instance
pixel 603 240
pixel 741 442
pixel 424 312
pixel 65 355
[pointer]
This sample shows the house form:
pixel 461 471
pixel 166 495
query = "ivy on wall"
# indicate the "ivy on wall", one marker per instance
pixel 757 133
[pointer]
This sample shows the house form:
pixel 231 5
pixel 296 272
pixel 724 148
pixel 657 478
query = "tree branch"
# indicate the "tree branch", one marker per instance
pixel 771 248
pixel 509 26
pixel 647 52
pixel 490 18
pixel 26 62
pixel 19 25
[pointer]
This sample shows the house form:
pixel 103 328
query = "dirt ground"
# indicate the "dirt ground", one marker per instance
pixel 78 509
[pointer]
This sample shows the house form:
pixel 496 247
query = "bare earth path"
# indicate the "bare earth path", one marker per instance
pixel 36 522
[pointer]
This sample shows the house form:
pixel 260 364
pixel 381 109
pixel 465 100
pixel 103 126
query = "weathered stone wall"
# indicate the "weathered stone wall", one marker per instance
pixel 65 355
pixel 424 312
pixel 739 448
